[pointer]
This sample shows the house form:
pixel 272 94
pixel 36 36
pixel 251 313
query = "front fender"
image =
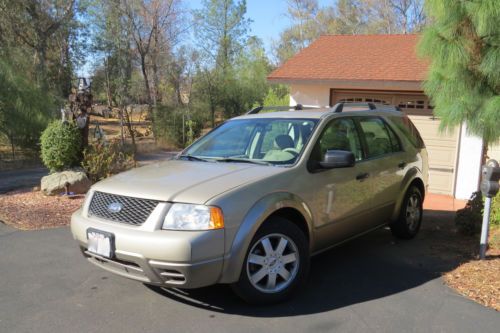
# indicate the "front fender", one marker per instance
pixel 255 217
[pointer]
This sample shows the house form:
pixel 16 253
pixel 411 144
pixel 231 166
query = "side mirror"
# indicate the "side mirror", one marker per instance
pixel 338 159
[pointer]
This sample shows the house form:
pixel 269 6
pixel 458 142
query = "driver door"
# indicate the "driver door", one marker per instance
pixel 340 197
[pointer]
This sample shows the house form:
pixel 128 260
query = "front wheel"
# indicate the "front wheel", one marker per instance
pixel 410 217
pixel 276 263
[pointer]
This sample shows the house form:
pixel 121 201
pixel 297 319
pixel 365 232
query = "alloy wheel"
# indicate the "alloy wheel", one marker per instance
pixel 413 212
pixel 272 263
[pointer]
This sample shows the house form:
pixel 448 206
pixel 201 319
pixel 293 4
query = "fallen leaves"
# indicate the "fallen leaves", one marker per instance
pixel 479 279
pixel 31 210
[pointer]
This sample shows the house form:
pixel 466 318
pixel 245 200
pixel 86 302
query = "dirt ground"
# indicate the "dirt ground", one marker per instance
pixel 31 210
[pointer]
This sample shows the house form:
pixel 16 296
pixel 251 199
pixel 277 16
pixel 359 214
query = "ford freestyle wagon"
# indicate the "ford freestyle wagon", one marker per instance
pixel 250 202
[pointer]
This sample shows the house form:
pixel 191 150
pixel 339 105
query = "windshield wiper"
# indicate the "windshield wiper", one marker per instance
pixel 241 160
pixel 193 158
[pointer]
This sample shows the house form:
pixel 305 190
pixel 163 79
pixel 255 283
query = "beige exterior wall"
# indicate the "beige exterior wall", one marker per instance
pixel 310 94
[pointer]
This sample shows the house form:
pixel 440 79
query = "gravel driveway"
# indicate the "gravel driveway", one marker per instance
pixel 372 284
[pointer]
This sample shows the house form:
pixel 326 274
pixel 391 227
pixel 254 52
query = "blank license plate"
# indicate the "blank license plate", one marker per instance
pixel 100 242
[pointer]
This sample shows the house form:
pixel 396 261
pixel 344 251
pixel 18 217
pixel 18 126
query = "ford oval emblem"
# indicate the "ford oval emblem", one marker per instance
pixel 115 207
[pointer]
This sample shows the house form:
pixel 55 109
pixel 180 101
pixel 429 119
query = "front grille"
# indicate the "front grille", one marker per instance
pixel 133 211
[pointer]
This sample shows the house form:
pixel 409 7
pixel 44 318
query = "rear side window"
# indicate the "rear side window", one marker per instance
pixel 380 139
pixel 405 125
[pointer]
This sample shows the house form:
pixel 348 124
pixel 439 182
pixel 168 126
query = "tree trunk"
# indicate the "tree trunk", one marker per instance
pixel 130 129
pixel 212 111
pixel 41 54
pixel 146 79
pixel 154 58
pixel 108 88
pixel 13 148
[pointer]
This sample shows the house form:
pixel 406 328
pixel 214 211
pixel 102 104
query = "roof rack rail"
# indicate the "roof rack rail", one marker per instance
pixel 339 107
pixel 297 107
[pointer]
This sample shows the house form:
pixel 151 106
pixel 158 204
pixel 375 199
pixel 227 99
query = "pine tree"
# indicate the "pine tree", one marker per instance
pixel 463 46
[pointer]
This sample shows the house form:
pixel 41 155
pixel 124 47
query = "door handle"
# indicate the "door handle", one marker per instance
pixel 362 176
pixel 402 165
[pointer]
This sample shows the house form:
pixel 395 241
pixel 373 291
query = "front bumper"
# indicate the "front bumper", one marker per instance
pixel 185 259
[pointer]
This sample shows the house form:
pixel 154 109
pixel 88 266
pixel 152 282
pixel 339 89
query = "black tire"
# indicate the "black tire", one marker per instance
pixel 274 230
pixel 410 216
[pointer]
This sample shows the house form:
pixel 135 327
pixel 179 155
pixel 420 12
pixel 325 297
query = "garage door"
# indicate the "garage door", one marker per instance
pixel 442 147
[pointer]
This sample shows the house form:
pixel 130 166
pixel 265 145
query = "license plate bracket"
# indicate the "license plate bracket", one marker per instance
pixel 101 242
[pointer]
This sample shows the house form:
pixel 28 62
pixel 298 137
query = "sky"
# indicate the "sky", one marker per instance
pixel 269 19
pixel 268 16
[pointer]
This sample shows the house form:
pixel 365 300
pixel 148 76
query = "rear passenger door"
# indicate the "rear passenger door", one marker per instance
pixel 385 159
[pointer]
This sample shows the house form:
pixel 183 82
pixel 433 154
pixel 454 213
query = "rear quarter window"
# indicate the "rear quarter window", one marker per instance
pixel 409 130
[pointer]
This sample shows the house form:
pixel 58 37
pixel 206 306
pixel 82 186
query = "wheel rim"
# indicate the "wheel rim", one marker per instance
pixel 413 212
pixel 272 263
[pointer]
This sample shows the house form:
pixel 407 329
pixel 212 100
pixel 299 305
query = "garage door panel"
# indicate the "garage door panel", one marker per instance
pixel 441 182
pixel 441 157
pixel 494 152
pixel 442 148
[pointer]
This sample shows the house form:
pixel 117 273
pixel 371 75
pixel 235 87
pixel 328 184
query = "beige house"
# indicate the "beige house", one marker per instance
pixel 385 69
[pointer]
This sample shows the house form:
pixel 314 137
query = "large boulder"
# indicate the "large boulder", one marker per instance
pixel 55 183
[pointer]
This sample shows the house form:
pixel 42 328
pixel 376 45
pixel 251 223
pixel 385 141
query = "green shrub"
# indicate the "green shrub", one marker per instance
pixel 169 124
pixel 60 143
pixel 468 220
pixel 101 160
pixel 495 211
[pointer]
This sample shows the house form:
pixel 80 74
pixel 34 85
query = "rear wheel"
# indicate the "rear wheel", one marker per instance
pixel 276 263
pixel 410 216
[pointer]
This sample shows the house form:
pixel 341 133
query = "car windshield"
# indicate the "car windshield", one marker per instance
pixel 260 141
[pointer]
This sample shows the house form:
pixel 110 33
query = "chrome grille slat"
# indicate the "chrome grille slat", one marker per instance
pixel 135 211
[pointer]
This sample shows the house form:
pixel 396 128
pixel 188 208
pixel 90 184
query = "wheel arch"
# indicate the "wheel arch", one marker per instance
pixel 412 178
pixel 283 204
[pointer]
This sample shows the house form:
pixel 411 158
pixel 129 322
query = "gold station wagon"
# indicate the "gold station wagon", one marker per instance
pixel 250 202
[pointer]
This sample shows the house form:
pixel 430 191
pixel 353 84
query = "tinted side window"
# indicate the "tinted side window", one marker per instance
pixel 395 143
pixel 339 134
pixel 405 125
pixel 380 139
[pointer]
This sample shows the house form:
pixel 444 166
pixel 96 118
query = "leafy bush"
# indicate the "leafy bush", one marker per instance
pixel 169 124
pixel 61 144
pixel 468 220
pixel 101 160
pixel 495 211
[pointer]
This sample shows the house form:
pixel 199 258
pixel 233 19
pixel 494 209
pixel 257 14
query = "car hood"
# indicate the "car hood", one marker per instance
pixel 184 181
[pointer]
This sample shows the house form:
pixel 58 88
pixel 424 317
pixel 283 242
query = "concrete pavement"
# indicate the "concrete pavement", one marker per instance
pixel 372 284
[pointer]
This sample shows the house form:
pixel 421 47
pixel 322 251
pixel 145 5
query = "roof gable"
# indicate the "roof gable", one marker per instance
pixel 356 57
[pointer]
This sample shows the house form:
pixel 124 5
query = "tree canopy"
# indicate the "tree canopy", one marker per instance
pixel 463 47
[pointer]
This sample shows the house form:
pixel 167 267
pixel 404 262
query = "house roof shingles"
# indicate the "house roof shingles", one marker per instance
pixel 356 57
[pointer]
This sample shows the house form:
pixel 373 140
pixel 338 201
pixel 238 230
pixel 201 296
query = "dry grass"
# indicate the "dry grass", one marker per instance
pixel 31 210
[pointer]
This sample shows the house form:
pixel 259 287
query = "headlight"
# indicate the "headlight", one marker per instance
pixel 193 217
